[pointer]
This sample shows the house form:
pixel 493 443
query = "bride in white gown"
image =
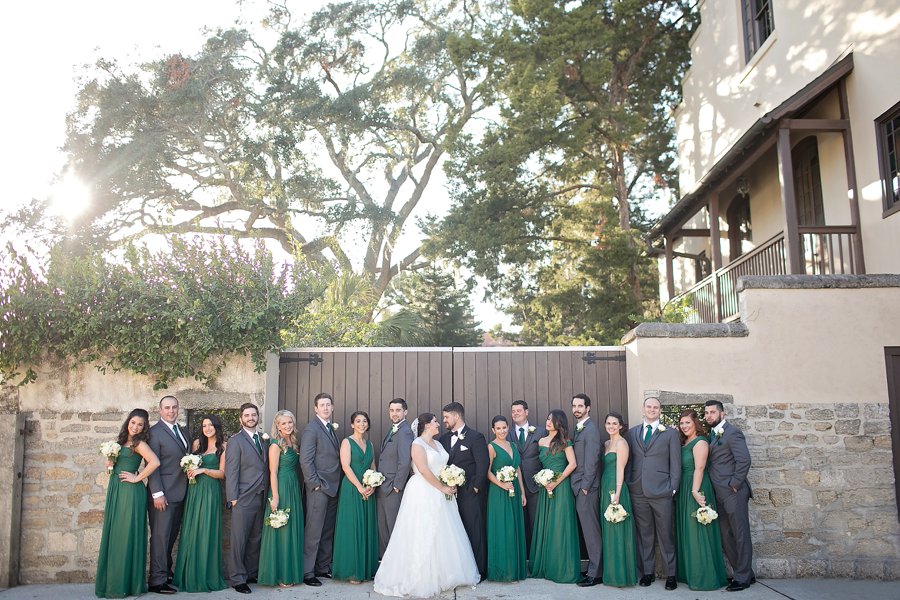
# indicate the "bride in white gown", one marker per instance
pixel 429 551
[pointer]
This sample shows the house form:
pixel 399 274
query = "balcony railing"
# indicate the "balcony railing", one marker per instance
pixel 824 251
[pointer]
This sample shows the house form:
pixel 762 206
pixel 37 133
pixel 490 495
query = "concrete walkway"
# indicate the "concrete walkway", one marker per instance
pixel 531 589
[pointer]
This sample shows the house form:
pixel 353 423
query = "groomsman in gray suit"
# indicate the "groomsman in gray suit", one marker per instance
pixel 525 436
pixel 321 463
pixel 729 464
pixel 588 445
pixel 167 488
pixel 653 474
pixel 394 463
pixel 246 480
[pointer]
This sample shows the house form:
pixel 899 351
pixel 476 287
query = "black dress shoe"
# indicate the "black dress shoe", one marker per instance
pixel 590 581
pixel 163 588
pixel 671 583
pixel 242 588
pixel 324 574
pixel 736 586
pixel 312 581
pixel 583 574
pixel 252 580
pixel 646 580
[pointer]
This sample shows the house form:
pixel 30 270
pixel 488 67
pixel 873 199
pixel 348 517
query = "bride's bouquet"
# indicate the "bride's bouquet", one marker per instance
pixel 111 451
pixel 372 479
pixel 545 477
pixel 191 462
pixel 705 514
pixel 278 518
pixel 615 513
pixel 507 474
pixel 453 476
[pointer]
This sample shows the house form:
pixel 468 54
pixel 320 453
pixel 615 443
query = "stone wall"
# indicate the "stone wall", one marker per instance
pixel 823 487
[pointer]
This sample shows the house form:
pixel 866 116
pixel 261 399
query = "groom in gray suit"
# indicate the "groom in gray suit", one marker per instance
pixel 585 479
pixel 167 488
pixel 321 463
pixel 653 474
pixel 729 464
pixel 394 463
pixel 246 480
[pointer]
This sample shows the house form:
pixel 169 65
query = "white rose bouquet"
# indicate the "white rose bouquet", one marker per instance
pixel 507 474
pixel 615 513
pixel 453 476
pixel 545 477
pixel 705 514
pixel 190 462
pixel 372 479
pixel 278 518
pixel 111 451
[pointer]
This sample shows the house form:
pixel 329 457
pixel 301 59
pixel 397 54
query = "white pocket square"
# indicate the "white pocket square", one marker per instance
pixel 464 448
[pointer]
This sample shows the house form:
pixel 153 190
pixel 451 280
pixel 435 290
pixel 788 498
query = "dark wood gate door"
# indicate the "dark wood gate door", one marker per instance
pixel 484 380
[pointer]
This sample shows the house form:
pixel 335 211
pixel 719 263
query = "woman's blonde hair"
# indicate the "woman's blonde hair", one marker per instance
pixel 291 439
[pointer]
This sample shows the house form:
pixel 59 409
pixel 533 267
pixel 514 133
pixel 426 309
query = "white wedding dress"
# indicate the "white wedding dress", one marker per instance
pixel 429 551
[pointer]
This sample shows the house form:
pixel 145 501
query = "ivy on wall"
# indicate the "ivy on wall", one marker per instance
pixel 164 314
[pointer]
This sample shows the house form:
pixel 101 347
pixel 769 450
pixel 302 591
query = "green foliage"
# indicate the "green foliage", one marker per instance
pixel 166 315
pixel 442 308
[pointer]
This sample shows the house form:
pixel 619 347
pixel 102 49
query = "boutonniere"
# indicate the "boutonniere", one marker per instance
pixel 395 427
pixel 579 428
pixel 265 437
pixel 461 436
pixel 532 429
pixel 335 426
pixel 661 428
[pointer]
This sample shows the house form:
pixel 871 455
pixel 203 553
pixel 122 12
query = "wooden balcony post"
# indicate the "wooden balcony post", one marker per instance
pixel 715 243
pixel 670 270
pixel 792 240
pixel 859 265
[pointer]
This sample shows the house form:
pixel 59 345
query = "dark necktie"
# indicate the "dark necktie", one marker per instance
pixel 521 436
pixel 178 437
pixel 258 445
pixel 648 435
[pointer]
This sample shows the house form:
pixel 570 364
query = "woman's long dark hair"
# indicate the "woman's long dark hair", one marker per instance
pixel 143 436
pixel 623 426
pixel 424 419
pixel 203 442
pixel 561 425
pixel 701 430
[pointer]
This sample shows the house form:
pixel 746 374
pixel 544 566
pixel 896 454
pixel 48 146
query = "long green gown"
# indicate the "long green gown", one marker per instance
pixel 619 558
pixel 505 524
pixel 701 563
pixel 199 564
pixel 555 553
pixel 281 551
pixel 122 563
pixel 356 530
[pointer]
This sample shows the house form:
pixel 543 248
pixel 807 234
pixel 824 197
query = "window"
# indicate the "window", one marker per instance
pixel 740 228
pixel 758 24
pixel 888 137
pixel 808 183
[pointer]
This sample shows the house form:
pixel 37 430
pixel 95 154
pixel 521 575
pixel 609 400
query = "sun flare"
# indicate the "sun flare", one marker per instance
pixel 70 197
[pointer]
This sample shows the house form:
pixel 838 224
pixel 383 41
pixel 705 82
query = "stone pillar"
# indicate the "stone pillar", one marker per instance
pixel 12 452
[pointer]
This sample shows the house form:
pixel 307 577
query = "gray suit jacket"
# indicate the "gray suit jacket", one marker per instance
pixel 729 459
pixel 530 453
pixel 320 458
pixel 588 447
pixel 169 478
pixel 246 470
pixel 653 470
pixel 395 459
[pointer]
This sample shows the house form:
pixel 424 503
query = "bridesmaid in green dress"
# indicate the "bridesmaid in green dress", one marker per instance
pixel 619 558
pixel 356 528
pixel 555 553
pixel 281 550
pixel 122 563
pixel 701 564
pixel 199 564
pixel 505 517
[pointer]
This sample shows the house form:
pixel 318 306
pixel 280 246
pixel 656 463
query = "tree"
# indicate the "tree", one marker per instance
pixel 324 141
pixel 547 204
pixel 442 307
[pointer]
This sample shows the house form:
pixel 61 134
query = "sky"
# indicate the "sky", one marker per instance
pixel 47 44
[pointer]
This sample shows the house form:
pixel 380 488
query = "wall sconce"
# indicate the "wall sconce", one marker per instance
pixel 743 186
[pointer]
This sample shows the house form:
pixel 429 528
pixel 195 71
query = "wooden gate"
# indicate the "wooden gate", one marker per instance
pixel 485 380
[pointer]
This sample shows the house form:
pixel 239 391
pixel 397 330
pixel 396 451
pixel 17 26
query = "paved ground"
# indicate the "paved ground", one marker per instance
pixel 531 589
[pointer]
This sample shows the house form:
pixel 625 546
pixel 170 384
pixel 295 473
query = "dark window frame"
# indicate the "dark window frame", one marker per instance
pixel 889 119
pixel 759 24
